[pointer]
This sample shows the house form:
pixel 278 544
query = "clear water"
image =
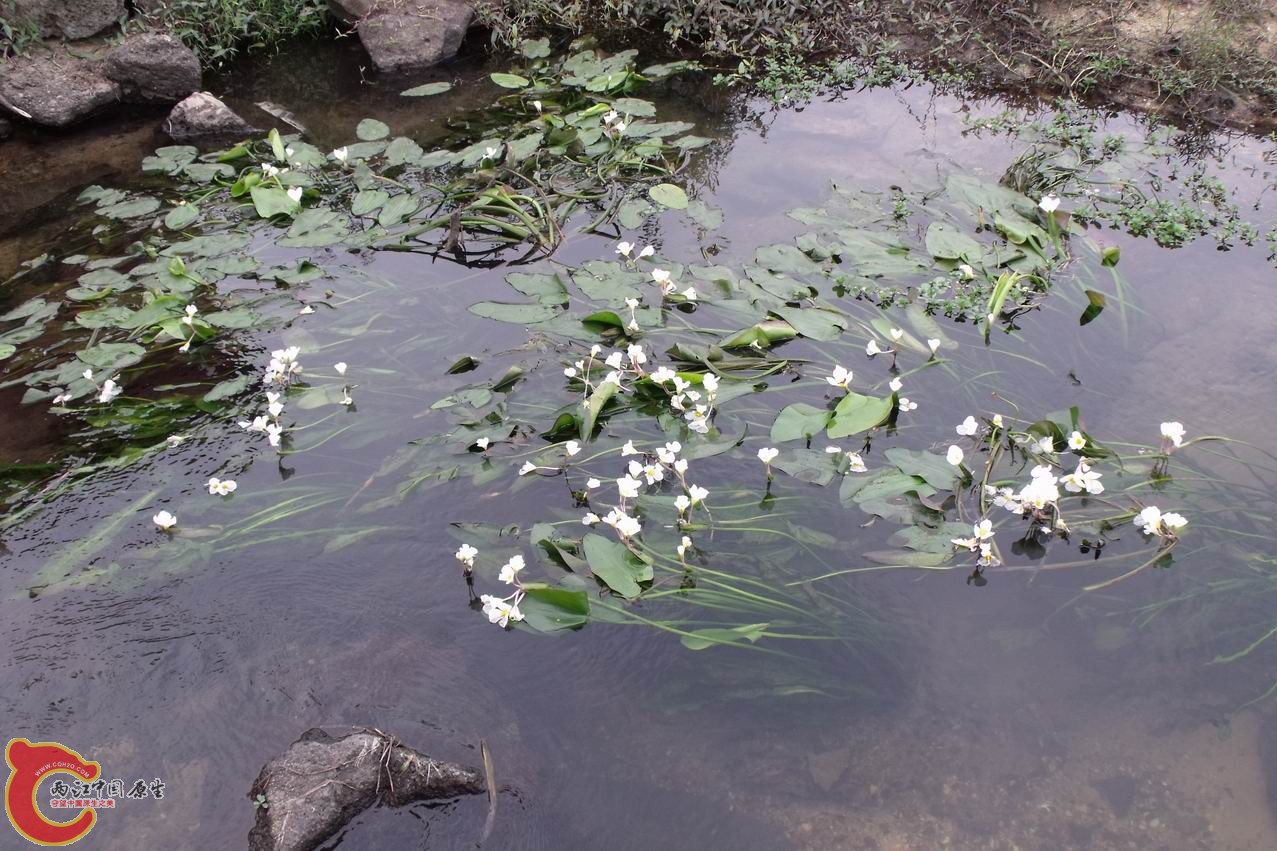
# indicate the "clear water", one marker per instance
pixel 1019 714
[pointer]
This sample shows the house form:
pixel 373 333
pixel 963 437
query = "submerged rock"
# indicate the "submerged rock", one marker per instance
pixel 202 116
pixel 55 91
pixel 64 18
pixel 154 67
pixel 409 35
pixel 320 783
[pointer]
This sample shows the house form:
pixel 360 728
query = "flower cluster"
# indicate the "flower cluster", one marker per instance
pixel 500 610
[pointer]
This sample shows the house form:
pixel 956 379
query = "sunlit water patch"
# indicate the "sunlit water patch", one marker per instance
pixel 796 655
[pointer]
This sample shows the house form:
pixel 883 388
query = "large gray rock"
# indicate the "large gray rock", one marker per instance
pixel 409 35
pixel 153 68
pixel 55 90
pixel 65 18
pixel 202 116
pixel 320 783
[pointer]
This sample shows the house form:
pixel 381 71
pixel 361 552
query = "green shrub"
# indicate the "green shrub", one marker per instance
pixel 218 29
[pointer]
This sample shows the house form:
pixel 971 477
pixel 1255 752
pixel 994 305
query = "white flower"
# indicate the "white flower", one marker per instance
pixel 1077 441
pixel 690 294
pixel 683 546
pixel 933 344
pixel 662 375
pixel 189 318
pixel 698 419
pixel 660 276
pixel 259 423
pixel 906 405
pixel 1039 493
pixel 697 494
pixel 1046 445
pixel 88 375
pixel 619 127
pixel 340 367
pixel 466 555
pixel 275 409
pixel 997 421
pixel 1043 471
pixel 528 467
pixel 680 466
pixel 682 502
pixel 165 520
pixel 1050 203
pixel 63 398
pixel 269 170
pixel 1005 498
pixel 628 449
pixel 274 434
pixel 1174 521
pixel 1083 479
pixel 345 397
pixel 1150 520
pixel 647 251
pixel 572 447
pixel 625 525
pixel 872 348
pixel 710 382
pixel 295 192
pixel 967 272
pixel 983 530
pixel 500 612
pixel 624 248
pixel 510 570
pixel 895 384
pixel 954 455
pixel 1174 432
pixel 591 484
pixel 968 427
pixel 340 154
pixel 635 354
pixel 667 453
pixel 628 487
pixel 491 153
pixel 610 116
pixel 175 439
pixel 614 360
pixel 613 378
pixel 221 487
pixel 110 389
pixel 306 311
pixel 841 377
pixel 856 464
pixel 536 104
pixel 767 454
pixel 987 558
pixel 896 334
pixel 483 443
pixel 652 473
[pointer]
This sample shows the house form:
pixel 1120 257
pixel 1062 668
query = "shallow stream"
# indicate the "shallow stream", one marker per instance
pixel 1018 711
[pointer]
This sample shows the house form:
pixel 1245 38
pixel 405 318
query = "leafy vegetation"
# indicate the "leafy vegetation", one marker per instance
pixel 218 30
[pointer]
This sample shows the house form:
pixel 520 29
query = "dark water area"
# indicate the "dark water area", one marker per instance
pixel 1021 714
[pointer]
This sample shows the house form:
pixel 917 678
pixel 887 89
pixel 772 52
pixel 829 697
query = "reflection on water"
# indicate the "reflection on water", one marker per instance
pixel 1021 714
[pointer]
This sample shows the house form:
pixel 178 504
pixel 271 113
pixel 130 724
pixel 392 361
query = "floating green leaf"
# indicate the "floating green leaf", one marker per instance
pixel 668 195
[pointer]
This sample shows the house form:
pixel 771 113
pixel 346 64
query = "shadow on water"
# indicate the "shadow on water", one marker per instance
pixel 1017 714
